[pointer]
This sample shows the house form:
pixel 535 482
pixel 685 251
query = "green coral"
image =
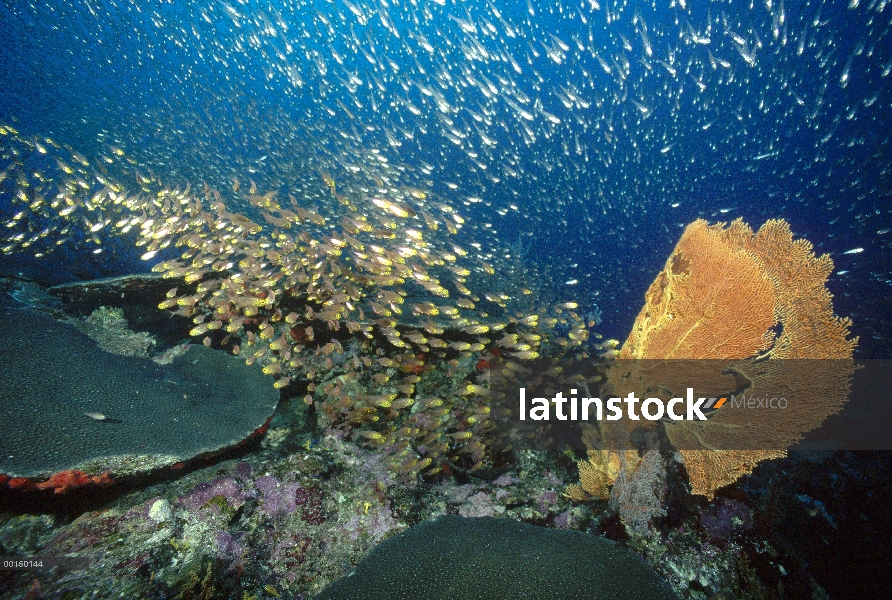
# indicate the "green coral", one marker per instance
pixel 222 504
pixel 110 329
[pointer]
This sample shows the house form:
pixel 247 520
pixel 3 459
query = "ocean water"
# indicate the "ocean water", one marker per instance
pixel 607 127
pixel 567 144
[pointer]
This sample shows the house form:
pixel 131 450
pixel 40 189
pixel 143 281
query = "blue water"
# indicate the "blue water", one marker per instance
pixel 593 131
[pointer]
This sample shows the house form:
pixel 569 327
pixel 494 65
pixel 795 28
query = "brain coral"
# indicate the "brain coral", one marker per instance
pixel 51 375
pixel 455 557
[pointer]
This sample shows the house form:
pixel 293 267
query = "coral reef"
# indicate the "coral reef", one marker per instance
pixel 295 517
pixel 350 295
pixel 361 307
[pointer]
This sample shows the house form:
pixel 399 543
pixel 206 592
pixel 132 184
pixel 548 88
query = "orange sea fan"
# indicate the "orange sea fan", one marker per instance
pixel 734 296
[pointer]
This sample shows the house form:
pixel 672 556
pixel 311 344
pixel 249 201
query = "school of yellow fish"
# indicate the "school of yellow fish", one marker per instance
pixel 363 300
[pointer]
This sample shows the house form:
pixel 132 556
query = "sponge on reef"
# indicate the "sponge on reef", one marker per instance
pixel 470 558
pixel 144 415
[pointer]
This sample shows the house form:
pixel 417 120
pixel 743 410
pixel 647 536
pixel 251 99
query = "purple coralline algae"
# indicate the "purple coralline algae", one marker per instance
pixel 374 523
pixel 278 498
pixel 243 471
pixel 547 500
pixel 505 480
pixel 201 496
pixel 725 517
pixel 229 545
pixel 479 505
pixel 562 521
